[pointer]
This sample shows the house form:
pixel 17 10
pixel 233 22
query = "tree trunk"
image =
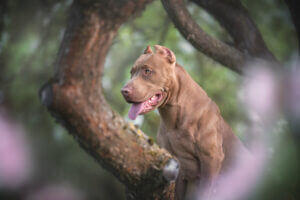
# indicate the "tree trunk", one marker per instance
pixel 75 98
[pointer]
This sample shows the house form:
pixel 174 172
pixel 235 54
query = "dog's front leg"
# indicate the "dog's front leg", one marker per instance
pixel 210 169
pixel 211 156
pixel 180 186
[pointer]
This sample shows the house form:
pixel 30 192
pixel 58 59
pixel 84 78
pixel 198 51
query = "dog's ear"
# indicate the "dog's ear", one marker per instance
pixel 148 50
pixel 167 53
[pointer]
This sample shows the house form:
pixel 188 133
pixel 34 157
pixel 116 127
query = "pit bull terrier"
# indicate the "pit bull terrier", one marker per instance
pixel 192 128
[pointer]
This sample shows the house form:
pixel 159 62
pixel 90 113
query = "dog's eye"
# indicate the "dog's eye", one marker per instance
pixel 147 71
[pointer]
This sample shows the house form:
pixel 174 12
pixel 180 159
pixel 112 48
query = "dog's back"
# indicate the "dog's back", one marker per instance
pixel 193 130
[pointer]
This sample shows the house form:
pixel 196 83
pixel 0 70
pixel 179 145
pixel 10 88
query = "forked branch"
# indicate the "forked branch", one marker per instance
pixel 248 42
pixel 234 17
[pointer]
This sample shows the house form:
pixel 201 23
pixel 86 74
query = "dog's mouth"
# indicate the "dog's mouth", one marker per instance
pixel 139 108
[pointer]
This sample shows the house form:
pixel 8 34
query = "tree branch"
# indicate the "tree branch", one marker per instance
pixel 231 14
pixel 214 48
pixel 75 98
pixel 234 17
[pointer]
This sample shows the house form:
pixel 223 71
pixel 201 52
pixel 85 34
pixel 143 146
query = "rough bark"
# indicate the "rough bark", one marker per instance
pixel 75 98
pixel 248 42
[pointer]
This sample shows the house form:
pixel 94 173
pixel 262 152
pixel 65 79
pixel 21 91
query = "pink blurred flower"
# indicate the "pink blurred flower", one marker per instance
pixel 259 92
pixel 56 192
pixel 15 160
pixel 244 174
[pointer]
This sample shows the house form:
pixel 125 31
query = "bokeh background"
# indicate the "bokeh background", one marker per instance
pixel 40 160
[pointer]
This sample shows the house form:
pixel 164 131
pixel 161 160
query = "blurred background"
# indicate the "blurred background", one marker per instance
pixel 40 160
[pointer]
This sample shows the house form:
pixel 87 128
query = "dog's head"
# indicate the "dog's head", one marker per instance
pixel 151 79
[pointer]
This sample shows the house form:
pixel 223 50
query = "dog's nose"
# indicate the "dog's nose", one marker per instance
pixel 126 91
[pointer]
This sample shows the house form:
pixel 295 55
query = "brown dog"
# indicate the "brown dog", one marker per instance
pixel 191 128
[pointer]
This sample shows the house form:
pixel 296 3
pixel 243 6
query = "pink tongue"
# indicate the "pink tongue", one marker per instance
pixel 135 110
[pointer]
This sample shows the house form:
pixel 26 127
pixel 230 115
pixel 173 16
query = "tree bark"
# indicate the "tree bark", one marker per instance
pixel 75 98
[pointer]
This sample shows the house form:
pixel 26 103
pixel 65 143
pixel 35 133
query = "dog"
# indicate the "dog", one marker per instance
pixel 191 128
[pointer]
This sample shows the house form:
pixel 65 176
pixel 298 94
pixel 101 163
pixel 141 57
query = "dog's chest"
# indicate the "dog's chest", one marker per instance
pixel 181 142
pixel 182 145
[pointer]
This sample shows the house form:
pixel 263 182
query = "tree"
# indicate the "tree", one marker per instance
pixel 74 95
pixel 75 99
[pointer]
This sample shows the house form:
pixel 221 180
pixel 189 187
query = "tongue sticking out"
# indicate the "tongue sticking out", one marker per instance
pixel 135 110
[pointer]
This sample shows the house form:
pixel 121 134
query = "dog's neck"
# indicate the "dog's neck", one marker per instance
pixel 184 93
